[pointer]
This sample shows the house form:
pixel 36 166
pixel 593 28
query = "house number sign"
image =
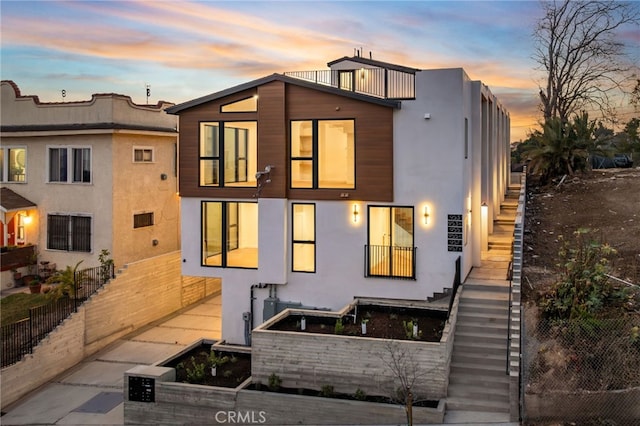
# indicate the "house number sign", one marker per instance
pixel 454 232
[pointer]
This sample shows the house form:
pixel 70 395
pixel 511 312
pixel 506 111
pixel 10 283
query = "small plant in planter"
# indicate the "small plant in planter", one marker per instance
pixel 339 327
pixel 35 285
pixel 360 395
pixel 411 329
pixel 327 391
pixel 363 324
pixel 274 382
pixel 64 282
pixel 216 361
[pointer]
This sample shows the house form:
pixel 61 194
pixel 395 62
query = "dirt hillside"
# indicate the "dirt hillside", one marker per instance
pixel 606 201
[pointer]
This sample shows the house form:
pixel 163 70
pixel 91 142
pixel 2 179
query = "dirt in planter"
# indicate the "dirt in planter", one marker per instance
pixel 230 374
pixel 383 322
pixel 328 393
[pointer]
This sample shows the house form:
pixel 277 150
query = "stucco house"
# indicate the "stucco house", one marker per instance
pixel 79 177
pixel 311 188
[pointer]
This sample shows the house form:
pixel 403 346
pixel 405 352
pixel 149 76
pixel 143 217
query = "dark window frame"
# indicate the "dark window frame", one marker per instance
pixel 294 241
pixel 315 160
pixel 220 180
pixel 143 220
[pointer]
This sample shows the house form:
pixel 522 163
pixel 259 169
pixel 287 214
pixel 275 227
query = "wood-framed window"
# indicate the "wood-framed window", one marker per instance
pixel 143 154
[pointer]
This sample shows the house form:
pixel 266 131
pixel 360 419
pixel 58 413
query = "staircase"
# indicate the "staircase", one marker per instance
pixel 478 381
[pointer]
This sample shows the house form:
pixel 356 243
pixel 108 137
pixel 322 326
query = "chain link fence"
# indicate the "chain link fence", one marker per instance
pixel 581 372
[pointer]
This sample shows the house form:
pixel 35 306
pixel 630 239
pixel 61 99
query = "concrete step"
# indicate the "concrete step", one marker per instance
pixel 482 348
pixel 478 370
pixel 493 329
pixel 496 380
pixel 483 393
pixel 481 360
pixel 478 418
pixel 466 317
pixel 490 337
pixel 486 293
pixel 470 404
pixel 479 308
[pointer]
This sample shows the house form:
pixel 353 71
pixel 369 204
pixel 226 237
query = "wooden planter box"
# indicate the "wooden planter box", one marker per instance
pixel 348 363
pixel 17 257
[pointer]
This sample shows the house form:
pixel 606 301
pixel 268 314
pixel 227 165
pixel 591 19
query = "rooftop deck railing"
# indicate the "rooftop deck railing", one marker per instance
pixel 377 82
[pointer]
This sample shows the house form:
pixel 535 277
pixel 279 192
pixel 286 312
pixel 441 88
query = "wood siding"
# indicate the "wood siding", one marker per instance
pixel 278 104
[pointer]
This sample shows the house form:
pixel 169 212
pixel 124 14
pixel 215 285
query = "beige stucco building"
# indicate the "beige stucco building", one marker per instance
pixel 100 174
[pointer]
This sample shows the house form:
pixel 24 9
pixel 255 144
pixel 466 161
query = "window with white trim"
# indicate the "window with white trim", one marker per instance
pixel 143 154
pixel 69 232
pixel 13 164
pixel 69 164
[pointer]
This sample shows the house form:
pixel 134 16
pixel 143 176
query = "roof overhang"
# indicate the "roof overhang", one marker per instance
pixel 176 109
pixel 12 202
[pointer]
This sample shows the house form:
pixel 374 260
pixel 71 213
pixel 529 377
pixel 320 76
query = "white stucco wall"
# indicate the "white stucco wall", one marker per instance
pixel 430 170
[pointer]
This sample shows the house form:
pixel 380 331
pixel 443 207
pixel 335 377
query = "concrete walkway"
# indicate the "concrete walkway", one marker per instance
pixel 91 392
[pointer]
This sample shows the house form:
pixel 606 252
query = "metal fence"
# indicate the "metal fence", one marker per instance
pixel 19 339
pixel 583 372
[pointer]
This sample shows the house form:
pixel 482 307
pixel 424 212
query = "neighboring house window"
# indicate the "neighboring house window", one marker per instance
pixel 228 153
pixel 303 256
pixel 323 154
pixel 70 165
pixel 13 164
pixel 142 154
pixel 141 220
pixel 69 233
pixel 230 234
pixel 390 251
pixel 243 105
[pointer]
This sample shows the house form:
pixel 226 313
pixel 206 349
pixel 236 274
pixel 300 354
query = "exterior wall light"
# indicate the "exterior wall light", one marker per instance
pixel 426 215
pixel 26 219
pixel 356 213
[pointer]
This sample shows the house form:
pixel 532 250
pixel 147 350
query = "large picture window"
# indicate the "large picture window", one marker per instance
pixel 228 153
pixel 230 234
pixel 70 165
pixel 304 238
pixel 323 154
pixel 69 233
pixel 13 164
pixel 390 252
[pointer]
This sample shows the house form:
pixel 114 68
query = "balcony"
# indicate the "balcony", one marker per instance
pixel 390 262
pixel 378 82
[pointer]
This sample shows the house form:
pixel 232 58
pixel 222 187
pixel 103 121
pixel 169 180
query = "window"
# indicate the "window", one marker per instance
pixel 390 252
pixel 304 238
pixel 230 234
pixel 142 154
pixel 13 164
pixel 141 220
pixel 323 154
pixel 243 105
pixel 69 233
pixel 70 165
pixel 228 154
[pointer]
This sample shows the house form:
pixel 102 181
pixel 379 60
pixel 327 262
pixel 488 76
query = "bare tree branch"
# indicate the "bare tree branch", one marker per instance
pixel 583 61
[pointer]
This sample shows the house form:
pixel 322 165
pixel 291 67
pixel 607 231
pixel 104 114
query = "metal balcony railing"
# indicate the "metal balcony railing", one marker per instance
pixel 390 262
pixel 378 82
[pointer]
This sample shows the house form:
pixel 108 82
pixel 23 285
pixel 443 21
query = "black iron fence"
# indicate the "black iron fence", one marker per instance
pixel 390 262
pixel 19 338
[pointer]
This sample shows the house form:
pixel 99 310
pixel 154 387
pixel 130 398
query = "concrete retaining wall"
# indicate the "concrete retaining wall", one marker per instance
pixel 622 406
pixel 141 293
pixel 348 363
pixel 181 403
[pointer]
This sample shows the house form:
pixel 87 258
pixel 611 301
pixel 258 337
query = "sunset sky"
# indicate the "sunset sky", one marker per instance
pixel 188 49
